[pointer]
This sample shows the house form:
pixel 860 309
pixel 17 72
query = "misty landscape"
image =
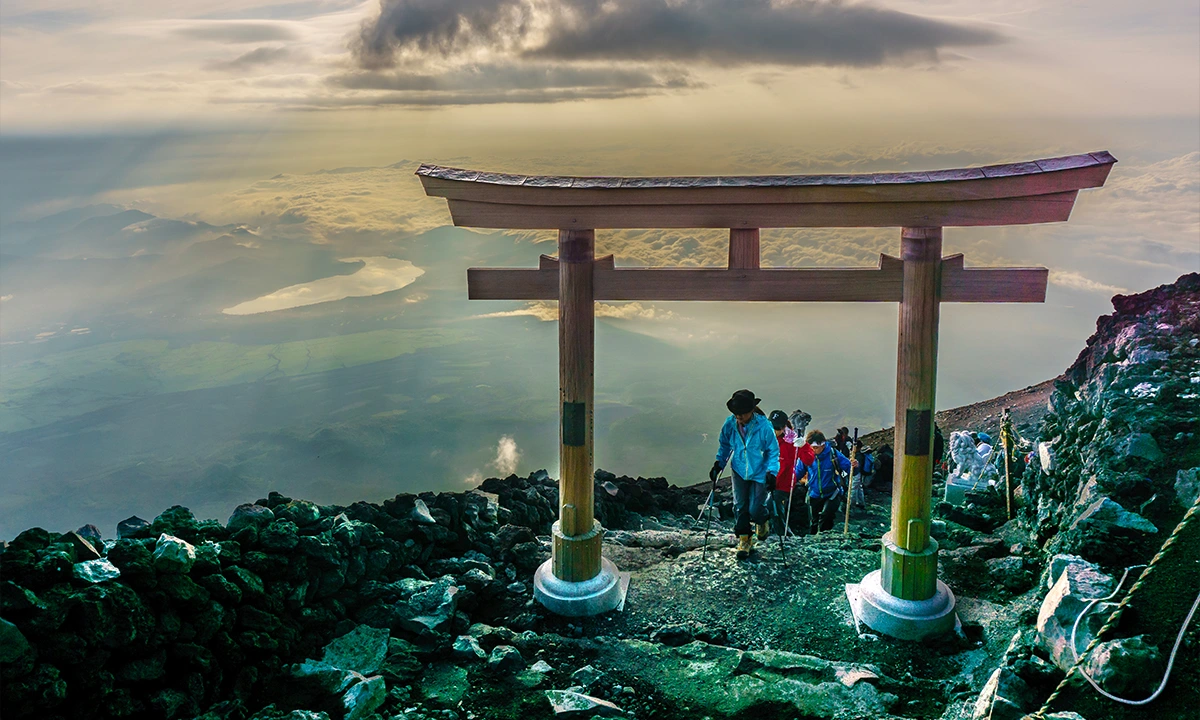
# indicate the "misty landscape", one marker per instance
pixel 249 416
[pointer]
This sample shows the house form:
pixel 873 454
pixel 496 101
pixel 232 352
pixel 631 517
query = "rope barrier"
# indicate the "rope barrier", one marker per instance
pixel 1170 662
pixel 1116 616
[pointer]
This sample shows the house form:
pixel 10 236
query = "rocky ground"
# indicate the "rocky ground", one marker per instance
pixel 421 607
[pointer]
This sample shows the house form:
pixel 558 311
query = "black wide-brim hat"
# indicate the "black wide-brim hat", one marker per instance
pixel 743 401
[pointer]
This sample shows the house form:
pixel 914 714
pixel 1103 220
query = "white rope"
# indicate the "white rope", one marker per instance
pixel 1170 662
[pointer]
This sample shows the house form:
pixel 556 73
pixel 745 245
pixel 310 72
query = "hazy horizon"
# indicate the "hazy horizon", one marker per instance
pixel 165 168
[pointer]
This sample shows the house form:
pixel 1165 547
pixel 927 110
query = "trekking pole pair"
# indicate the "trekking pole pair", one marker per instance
pixel 850 483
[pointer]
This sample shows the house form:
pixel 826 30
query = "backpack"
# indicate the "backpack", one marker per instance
pixel 866 463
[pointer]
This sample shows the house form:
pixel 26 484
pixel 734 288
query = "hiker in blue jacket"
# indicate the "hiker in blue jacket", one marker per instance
pixel 748 440
pixel 825 481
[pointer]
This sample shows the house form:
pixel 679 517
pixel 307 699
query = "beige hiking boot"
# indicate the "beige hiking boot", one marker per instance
pixel 745 545
pixel 763 530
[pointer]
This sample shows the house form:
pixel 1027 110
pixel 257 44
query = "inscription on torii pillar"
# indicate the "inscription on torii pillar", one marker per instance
pixel 903 598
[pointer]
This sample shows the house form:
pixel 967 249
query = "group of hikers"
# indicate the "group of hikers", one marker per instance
pixel 780 478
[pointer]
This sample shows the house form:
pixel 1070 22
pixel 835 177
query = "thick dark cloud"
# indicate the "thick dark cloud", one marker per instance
pixel 718 32
pixel 523 76
pixel 438 26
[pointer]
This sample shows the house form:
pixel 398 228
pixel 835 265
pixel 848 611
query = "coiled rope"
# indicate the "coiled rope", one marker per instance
pixel 1116 616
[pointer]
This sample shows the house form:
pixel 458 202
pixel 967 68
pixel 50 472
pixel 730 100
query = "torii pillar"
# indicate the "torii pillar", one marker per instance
pixel 903 598
pixel 577 580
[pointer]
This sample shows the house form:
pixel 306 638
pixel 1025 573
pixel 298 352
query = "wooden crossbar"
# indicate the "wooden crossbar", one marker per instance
pixel 1011 194
pixel 878 284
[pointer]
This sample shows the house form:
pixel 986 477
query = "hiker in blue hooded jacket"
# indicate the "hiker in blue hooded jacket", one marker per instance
pixel 825 483
pixel 748 441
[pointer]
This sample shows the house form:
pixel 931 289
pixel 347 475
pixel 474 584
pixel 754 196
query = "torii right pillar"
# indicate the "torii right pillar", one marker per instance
pixel 904 598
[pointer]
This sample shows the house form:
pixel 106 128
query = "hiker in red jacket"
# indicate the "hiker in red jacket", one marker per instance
pixel 786 436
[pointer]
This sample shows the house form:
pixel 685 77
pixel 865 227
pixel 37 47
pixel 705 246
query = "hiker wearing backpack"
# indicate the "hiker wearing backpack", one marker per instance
pixel 864 474
pixel 825 481
pixel 782 495
pixel 748 442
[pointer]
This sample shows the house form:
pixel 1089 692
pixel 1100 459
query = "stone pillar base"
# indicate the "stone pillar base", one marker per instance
pixel 602 593
pixel 903 619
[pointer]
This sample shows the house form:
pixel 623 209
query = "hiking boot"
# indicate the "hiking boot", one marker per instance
pixel 762 529
pixel 745 545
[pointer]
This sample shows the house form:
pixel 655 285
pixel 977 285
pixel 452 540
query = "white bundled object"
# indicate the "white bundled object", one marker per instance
pixel 1046 456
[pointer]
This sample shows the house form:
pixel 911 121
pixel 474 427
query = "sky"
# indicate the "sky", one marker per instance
pixel 303 121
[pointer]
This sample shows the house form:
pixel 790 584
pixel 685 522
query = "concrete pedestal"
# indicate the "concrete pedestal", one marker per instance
pixel 604 592
pixel 903 619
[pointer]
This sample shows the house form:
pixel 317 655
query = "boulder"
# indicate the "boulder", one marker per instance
pixel 429 610
pixel 363 698
pixel 361 650
pixel 722 681
pixel 133 527
pixel 91 533
pixel 1010 573
pixel 95 571
pixel 13 644
pixel 172 555
pixel 301 512
pixel 506 659
pixel 249 515
pixel 587 676
pixel 175 520
pixel 83 549
pixel 568 704
pixel 467 648
pixel 1138 448
pixel 1104 527
pixel 1078 583
pixel 279 536
pixel 1004 697
pixel 421 515
pixel 1127 667
pixel 672 635
pixel 1187 486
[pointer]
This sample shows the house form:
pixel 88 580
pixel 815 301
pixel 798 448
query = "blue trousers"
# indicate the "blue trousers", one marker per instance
pixel 749 502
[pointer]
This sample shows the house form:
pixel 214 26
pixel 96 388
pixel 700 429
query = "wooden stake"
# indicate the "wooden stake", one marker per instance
pixel 1005 430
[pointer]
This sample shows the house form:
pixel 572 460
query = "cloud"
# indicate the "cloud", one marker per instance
pixel 498 82
pixel 544 311
pixel 535 76
pixel 1075 281
pixel 547 311
pixel 714 32
pixel 83 87
pixel 258 57
pixel 507 455
pixel 237 31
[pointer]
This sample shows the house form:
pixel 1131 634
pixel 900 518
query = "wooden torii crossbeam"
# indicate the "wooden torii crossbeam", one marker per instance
pixel 904 598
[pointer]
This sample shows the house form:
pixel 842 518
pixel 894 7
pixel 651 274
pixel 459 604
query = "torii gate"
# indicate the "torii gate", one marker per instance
pixel 903 598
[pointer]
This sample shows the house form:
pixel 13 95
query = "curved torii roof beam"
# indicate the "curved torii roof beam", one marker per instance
pixel 1014 194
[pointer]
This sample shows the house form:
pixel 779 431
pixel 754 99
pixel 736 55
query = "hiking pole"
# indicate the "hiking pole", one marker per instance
pixel 707 512
pixel 850 483
pixel 783 531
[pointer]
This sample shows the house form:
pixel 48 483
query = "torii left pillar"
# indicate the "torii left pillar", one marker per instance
pixel 577 580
